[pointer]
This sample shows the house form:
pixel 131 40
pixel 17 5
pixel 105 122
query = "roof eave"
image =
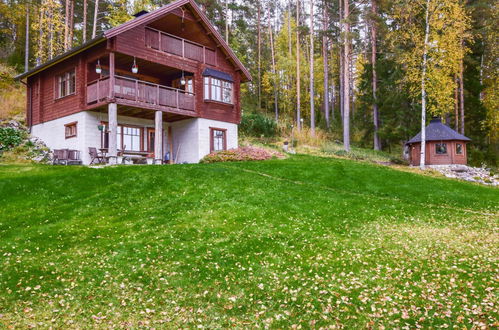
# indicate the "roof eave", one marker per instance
pixel 61 57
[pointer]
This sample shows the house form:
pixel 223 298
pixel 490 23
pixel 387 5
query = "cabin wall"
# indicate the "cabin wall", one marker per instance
pixel 432 158
pixel 44 104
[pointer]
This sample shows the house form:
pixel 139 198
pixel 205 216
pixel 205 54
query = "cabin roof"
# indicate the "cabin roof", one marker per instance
pixel 437 131
pixel 144 18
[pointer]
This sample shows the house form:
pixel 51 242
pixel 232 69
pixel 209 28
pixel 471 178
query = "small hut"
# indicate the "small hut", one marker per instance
pixel 444 146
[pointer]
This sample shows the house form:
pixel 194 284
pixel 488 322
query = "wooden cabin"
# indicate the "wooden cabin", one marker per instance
pixel 444 146
pixel 164 84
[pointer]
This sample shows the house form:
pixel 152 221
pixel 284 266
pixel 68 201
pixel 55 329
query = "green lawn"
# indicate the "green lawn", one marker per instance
pixel 305 241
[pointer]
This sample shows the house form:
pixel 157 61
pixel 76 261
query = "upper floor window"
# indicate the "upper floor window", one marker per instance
pixel 66 84
pixel 218 90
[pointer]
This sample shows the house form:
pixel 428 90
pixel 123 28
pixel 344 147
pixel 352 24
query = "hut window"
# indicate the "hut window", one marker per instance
pixel 459 149
pixel 441 148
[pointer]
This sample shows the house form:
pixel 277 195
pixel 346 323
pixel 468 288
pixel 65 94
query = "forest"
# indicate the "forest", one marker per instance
pixel 360 72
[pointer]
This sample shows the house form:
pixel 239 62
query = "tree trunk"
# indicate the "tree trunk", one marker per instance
pixel 325 58
pixel 276 85
pixel 66 26
pixel 227 21
pixel 342 65
pixel 312 90
pixel 346 76
pixel 96 12
pixel 71 24
pixel 461 95
pixel 84 21
pixel 456 104
pixel 377 142
pixel 51 36
pixel 259 41
pixel 298 114
pixel 26 42
pixel 422 159
pixel 40 40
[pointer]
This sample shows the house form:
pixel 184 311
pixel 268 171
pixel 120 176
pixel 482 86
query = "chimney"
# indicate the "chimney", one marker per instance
pixel 140 13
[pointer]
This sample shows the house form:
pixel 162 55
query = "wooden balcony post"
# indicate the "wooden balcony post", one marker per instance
pixel 98 90
pixel 176 96
pixel 157 95
pixel 158 137
pixel 183 48
pixel 136 90
pixel 111 75
pixel 113 132
pixel 204 54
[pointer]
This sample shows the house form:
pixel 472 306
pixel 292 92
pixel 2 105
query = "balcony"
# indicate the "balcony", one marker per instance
pixel 172 44
pixel 142 94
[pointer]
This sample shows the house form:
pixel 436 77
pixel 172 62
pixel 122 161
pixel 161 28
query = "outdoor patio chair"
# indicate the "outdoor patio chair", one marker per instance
pixel 66 157
pixel 73 157
pixel 96 156
pixel 60 156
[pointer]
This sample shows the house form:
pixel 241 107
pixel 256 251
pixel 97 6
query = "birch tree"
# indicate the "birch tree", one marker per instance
pixel 298 92
pixel 430 52
pixel 374 15
pixel 346 75
pixel 312 94
pixel 96 13
pixel 325 57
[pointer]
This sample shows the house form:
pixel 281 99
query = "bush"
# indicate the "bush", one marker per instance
pixel 258 125
pixel 10 137
pixel 241 154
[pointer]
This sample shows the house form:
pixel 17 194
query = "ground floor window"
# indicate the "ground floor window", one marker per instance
pixel 128 138
pixel 459 149
pixel 218 139
pixel 441 148
pixel 70 130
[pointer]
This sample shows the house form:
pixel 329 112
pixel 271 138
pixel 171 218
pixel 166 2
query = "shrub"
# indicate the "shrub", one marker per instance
pixel 241 154
pixel 258 125
pixel 10 137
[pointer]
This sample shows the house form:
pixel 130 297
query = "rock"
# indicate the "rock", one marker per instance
pixel 479 175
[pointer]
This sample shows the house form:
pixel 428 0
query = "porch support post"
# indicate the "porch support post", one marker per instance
pixel 113 132
pixel 111 75
pixel 158 137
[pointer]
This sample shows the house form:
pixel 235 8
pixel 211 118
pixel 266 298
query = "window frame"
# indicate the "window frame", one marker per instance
pixel 70 126
pixel 57 82
pixel 120 136
pixel 441 153
pixel 462 149
pixel 212 138
pixel 208 89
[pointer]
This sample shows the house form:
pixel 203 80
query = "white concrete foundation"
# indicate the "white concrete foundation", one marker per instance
pixel 191 137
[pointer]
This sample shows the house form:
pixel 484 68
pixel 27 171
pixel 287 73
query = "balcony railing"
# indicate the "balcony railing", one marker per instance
pixel 172 44
pixel 141 94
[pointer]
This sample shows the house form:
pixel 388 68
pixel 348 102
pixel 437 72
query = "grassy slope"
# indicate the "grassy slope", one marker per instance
pixel 300 241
